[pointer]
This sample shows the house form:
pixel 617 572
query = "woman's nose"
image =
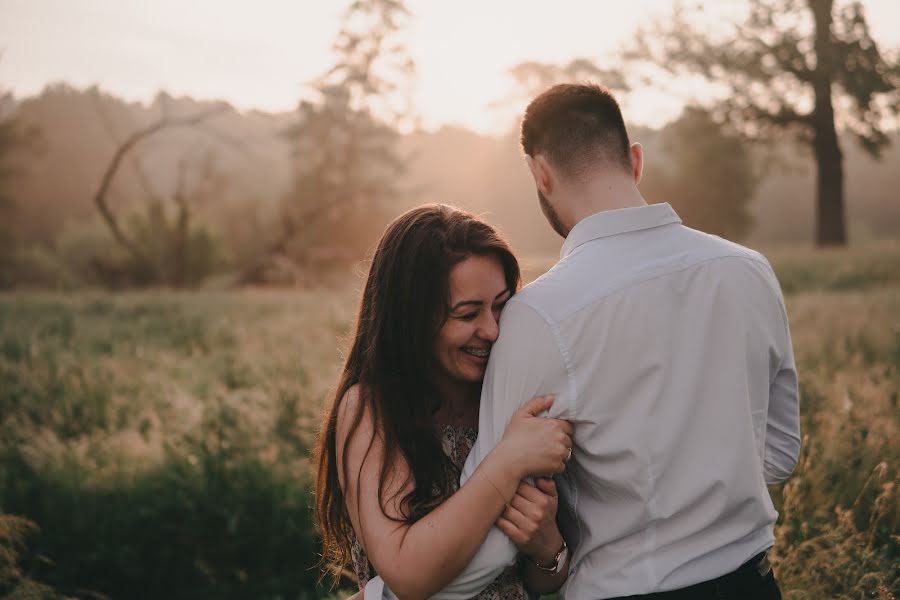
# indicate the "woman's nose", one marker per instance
pixel 488 327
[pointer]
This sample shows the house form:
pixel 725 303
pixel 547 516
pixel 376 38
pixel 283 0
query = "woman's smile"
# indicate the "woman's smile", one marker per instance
pixel 479 353
pixel 478 291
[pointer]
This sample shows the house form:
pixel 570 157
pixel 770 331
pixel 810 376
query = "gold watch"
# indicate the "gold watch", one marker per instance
pixel 558 563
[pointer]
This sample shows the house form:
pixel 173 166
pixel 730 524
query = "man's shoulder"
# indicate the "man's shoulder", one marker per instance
pixel 746 261
pixel 591 274
pixel 713 246
pixel 543 295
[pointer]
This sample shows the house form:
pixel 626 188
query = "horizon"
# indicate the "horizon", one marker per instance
pixel 134 50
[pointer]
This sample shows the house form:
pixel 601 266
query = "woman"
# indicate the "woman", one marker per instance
pixel 405 415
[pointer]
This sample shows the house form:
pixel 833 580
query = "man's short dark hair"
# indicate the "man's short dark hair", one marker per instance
pixel 577 127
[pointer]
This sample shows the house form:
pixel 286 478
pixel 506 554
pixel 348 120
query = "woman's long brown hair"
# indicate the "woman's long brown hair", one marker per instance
pixel 404 304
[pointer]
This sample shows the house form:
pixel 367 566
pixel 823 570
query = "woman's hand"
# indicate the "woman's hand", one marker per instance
pixel 530 521
pixel 536 446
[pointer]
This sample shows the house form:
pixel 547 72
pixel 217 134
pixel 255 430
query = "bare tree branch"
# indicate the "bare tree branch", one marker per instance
pixel 121 152
pixel 134 161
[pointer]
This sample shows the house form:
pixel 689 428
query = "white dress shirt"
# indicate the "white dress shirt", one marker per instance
pixel 669 351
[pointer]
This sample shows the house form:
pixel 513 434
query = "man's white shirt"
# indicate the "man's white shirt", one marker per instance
pixel 669 351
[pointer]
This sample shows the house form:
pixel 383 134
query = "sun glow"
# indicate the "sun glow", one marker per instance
pixel 263 54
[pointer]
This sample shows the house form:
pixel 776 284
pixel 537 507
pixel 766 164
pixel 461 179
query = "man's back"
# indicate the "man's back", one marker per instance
pixel 672 342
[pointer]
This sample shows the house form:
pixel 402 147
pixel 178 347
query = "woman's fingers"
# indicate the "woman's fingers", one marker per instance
pixel 528 509
pixel 535 495
pixel 511 531
pixel 555 436
pixel 546 485
pixel 537 405
pixel 527 491
pixel 561 430
pixel 534 503
pixel 526 525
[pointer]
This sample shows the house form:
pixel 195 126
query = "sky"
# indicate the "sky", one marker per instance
pixel 261 54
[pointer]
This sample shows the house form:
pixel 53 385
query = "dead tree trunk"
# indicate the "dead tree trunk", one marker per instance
pixel 100 196
pixel 181 247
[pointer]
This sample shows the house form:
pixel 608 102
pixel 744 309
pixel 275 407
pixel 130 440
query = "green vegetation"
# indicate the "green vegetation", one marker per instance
pixel 838 535
pixel 160 441
pixel 838 270
pixel 155 444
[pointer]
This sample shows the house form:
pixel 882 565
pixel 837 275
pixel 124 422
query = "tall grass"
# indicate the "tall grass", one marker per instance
pixel 155 445
pixel 838 535
pixel 160 442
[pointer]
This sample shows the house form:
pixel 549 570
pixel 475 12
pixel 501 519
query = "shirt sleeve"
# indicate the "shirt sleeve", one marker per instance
pixel 782 448
pixel 526 361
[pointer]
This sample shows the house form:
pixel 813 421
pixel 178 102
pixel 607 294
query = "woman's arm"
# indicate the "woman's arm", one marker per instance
pixel 418 560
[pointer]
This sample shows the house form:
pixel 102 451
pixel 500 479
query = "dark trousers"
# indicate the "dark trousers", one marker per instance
pixel 753 580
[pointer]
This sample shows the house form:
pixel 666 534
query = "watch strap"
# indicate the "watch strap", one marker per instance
pixel 556 567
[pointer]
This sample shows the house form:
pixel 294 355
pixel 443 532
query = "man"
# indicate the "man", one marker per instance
pixel 669 351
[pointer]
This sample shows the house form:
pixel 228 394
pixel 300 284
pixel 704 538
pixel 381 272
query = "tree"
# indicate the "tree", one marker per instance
pixel 9 138
pixel 162 243
pixel 135 249
pixel 534 77
pixel 803 67
pixel 706 172
pixel 346 160
pixel 14 135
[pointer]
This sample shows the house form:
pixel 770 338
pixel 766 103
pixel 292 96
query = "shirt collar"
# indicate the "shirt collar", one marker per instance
pixel 614 222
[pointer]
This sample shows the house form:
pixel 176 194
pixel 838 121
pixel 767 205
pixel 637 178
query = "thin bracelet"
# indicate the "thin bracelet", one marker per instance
pixel 496 489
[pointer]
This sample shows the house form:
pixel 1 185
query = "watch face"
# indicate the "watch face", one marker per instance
pixel 561 562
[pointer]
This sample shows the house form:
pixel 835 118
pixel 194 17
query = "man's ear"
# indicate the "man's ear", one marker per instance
pixel 541 172
pixel 637 162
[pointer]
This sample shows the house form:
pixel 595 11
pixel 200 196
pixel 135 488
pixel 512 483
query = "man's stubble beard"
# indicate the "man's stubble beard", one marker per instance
pixel 551 215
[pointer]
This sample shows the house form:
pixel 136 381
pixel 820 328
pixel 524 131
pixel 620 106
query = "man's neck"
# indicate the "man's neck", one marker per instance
pixel 602 194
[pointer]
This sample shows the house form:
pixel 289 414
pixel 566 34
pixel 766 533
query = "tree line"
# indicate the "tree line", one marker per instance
pixel 94 191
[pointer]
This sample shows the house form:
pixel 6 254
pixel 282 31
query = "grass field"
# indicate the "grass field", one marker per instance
pixel 155 444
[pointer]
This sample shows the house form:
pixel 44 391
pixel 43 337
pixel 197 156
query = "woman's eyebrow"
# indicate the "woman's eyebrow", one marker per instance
pixel 466 303
pixel 479 302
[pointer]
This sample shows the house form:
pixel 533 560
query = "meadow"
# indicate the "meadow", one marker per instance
pixel 155 444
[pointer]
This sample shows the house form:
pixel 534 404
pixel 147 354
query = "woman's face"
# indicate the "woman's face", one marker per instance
pixel 478 292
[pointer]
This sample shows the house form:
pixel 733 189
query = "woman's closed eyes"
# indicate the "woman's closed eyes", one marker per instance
pixel 497 308
pixel 500 301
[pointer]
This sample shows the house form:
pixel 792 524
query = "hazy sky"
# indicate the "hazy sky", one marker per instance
pixel 260 53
